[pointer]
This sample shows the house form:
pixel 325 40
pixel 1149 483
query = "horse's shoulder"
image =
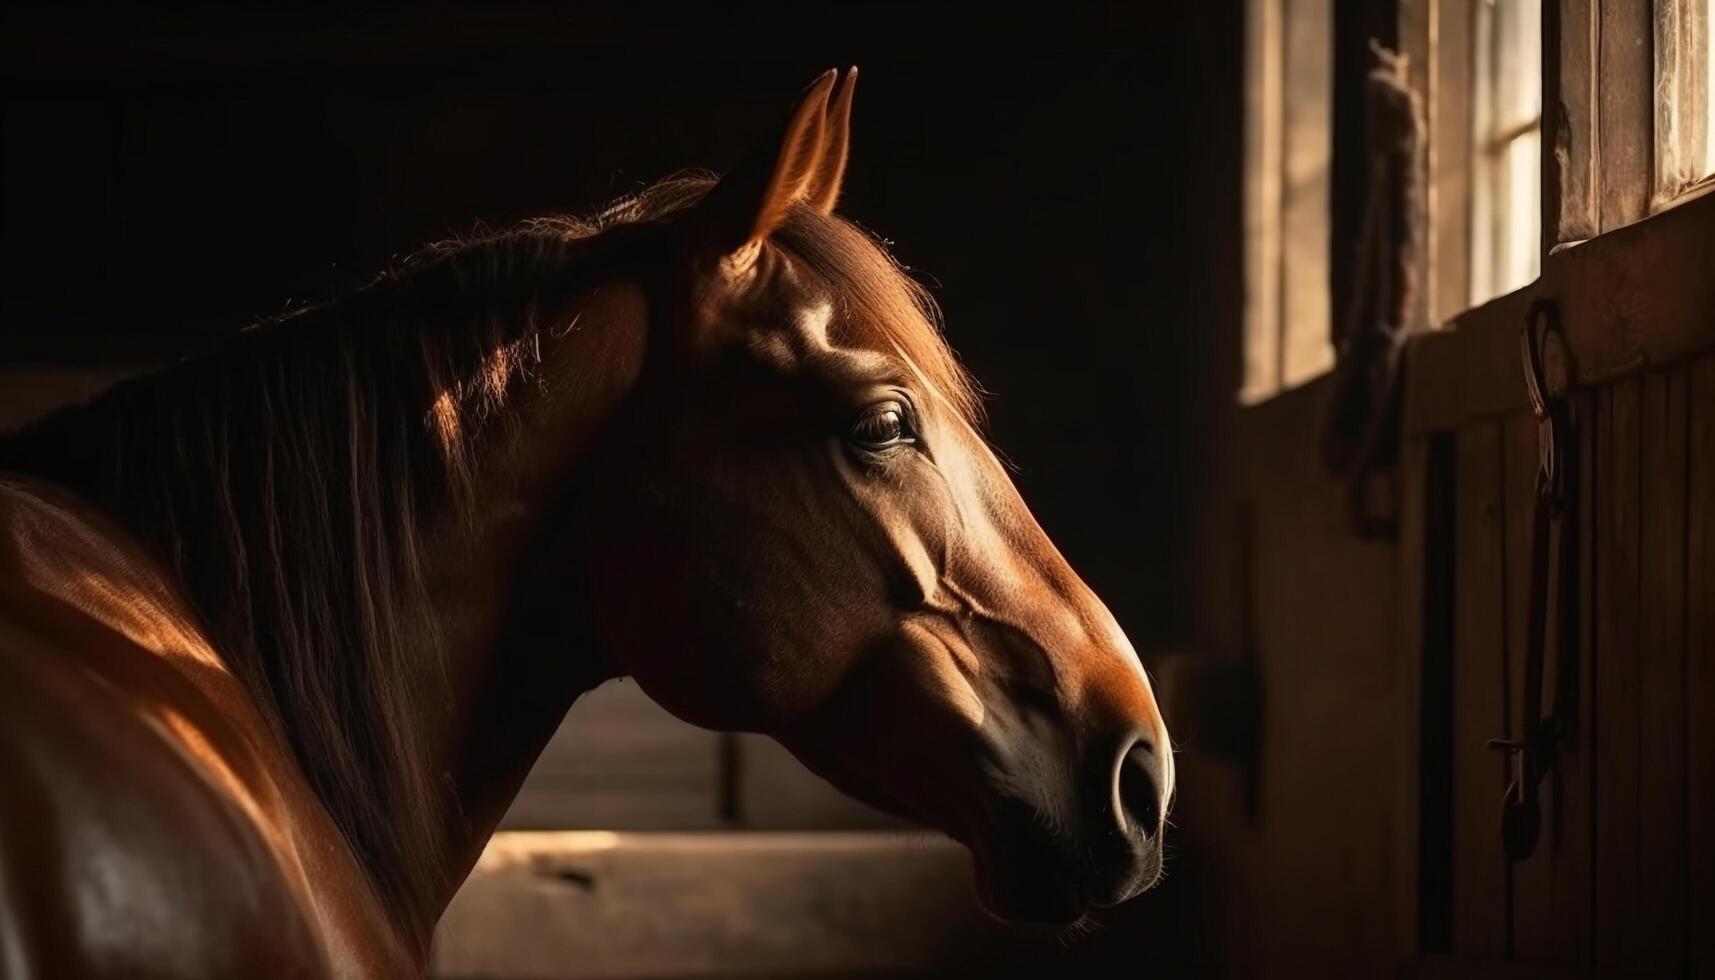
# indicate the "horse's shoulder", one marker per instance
pixel 119 854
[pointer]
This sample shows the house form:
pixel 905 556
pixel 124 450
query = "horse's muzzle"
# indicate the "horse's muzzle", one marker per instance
pixel 1047 862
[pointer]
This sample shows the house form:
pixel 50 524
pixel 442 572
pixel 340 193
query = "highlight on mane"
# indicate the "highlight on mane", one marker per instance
pixel 293 478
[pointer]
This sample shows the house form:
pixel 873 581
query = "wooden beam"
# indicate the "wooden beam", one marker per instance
pixel 1636 298
pixel 1626 69
pixel 1570 122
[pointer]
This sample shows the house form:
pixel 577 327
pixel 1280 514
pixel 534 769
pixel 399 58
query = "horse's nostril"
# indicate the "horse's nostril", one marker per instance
pixel 1139 788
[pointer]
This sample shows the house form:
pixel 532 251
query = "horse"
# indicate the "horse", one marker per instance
pixel 284 626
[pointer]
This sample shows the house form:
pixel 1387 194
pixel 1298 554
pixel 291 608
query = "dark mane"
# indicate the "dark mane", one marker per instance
pixel 291 479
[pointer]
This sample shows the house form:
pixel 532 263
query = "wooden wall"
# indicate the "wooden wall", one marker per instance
pixel 1293 840
pixel 1620 882
pixel 1361 836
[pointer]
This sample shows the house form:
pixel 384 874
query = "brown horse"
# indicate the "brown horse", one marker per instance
pixel 283 628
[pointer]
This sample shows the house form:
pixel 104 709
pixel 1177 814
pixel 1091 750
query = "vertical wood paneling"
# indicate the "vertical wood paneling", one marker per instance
pixel 1573 819
pixel 1551 890
pixel 1518 484
pixel 1700 667
pixel 1414 824
pixel 1617 724
pixel 1660 935
pixel 1626 96
pixel 1479 695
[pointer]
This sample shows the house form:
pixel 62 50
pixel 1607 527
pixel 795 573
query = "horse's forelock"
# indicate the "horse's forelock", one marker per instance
pixel 882 307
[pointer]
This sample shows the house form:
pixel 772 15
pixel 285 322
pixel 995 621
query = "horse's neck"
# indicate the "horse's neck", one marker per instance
pixel 515 635
pixel 522 644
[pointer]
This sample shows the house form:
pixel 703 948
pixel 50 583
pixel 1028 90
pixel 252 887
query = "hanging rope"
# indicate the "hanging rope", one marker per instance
pixel 1359 432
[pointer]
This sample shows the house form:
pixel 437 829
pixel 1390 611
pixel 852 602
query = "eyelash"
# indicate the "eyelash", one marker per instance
pixel 883 428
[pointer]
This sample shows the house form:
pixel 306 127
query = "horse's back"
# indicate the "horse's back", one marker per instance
pixel 119 856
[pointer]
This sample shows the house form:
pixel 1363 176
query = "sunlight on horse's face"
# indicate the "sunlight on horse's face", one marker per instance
pixel 798 533
pixel 815 545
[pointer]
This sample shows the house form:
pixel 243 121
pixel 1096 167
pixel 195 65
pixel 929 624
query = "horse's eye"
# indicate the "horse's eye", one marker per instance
pixel 882 427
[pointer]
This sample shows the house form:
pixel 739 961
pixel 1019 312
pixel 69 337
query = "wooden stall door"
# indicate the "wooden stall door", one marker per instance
pixel 1620 881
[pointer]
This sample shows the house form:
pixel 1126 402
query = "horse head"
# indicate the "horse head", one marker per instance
pixel 800 531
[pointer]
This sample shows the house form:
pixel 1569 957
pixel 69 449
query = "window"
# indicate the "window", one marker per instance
pixel 1684 108
pixel 1288 142
pixel 1478 66
pixel 1632 134
pixel 1506 147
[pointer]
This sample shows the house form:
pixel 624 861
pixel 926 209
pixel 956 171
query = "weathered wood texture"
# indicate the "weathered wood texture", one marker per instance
pixel 1626 109
pixel 1700 666
pixel 1480 687
pixel 1632 300
pixel 1617 721
pixel 1660 654
pixel 1304 869
pixel 1571 127
pixel 1619 883
pixel 1324 608
pixel 1551 890
pixel 597 904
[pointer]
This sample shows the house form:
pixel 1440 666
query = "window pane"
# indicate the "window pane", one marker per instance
pixel 1288 146
pixel 1506 164
pixel 1685 77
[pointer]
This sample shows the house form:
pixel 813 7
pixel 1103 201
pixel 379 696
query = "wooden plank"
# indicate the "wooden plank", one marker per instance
pixel 1408 798
pixel 1324 601
pixel 1429 564
pixel 1533 885
pixel 1569 161
pixel 1659 935
pixel 1551 890
pixel 1480 696
pixel 1627 111
pixel 1700 666
pixel 599 904
pixel 1638 298
pixel 621 762
pixel 1449 186
pixel 1468 371
pixel 1572 818
pixel 1618 726
pixel 1681 50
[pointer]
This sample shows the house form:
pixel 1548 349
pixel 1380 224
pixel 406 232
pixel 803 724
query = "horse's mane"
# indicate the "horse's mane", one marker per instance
pixel 291 477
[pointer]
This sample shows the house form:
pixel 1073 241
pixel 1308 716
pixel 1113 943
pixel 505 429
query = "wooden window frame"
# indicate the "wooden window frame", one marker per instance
pixel 1287 307
pixel 1599 179
pixel 1602 220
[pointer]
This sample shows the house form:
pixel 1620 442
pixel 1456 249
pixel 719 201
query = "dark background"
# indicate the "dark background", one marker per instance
pixel 1064 176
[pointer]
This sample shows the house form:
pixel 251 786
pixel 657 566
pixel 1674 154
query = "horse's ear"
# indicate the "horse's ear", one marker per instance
pixel 803 163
